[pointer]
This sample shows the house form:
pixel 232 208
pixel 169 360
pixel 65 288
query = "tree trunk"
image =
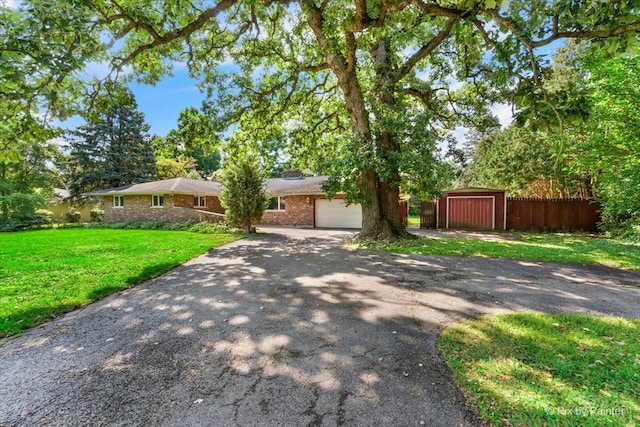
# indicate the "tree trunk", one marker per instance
pixel 381 216
pixel 381 219
pixel 380 212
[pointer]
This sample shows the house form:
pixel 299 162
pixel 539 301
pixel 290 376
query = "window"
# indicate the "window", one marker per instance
pixel 118 201
pixel 199 201
pixel 157 201
pixel 276 204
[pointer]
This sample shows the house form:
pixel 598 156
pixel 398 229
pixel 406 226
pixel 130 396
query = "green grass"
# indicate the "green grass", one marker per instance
pixel 48 272
pixel 413 221
pixel 533 369
pixel 527 246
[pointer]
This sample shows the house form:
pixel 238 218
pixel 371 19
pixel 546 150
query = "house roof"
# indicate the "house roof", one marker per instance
pixel 275 186
pixel 61 193
pixel 293 186
pixel 474 190
pixel 166 186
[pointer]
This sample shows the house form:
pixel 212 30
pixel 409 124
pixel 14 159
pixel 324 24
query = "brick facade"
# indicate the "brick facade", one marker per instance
pixel 176 208
pixel 212 203
pixel 299 212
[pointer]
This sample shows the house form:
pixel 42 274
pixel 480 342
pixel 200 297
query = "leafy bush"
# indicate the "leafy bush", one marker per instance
pixel 46 216
pixel 73 216
pixel 19 211
pixel 200 228
pixel 97 215
pixel 210 228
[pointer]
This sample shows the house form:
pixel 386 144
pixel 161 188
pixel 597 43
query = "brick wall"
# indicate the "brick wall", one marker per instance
pixel 178 208
pixel 186 201
pixel 297 213
pixel 138 208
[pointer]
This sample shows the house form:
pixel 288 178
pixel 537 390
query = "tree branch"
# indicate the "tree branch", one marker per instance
pixel 160 40
pixel 485 36
pixel 556 34
pixel 424 51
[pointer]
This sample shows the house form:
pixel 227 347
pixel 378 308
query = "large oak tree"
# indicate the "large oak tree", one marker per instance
pixel 368 85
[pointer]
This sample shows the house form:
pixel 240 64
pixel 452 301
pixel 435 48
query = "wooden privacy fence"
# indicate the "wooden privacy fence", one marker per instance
pixel 537 214
pixel 552 214
pixel 403 209
pixel 427 214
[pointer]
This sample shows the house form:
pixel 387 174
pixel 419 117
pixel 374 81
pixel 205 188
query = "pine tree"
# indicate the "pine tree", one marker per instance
pixel 243 195
pixel 111 150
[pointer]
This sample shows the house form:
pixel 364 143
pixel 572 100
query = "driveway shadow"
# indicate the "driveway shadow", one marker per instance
pixel 282 330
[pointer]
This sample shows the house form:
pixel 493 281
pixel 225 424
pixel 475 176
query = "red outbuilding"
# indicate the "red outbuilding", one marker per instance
pixel 473 208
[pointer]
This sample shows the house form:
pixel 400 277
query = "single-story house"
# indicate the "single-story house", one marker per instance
pixel 296 201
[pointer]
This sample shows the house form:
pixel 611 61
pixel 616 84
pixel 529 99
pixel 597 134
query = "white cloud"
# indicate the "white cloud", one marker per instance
pixel 11 4
pixel 504 114
pixel 101 69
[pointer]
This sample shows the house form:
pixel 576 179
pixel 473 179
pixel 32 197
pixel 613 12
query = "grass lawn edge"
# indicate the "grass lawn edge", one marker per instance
pixel 30 312
pixel 535 368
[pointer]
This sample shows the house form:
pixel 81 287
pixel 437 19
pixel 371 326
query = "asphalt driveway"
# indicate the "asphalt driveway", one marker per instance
pixel 288 328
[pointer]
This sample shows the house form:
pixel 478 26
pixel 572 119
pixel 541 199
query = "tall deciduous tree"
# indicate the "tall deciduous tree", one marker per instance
pixel 608 142
pixel 244 195
pixel 366 84
pixel 195 137
pixel 178 167
pixel 111 150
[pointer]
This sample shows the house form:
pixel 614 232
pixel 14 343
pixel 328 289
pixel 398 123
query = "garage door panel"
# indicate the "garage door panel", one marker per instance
pixel 335 214
pixel 474 213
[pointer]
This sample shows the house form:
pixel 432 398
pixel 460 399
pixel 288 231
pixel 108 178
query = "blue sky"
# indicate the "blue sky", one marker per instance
pixel 162 103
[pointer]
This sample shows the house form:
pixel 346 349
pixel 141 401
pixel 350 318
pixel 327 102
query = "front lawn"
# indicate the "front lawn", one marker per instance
pixel 527 246
pixel 48 272
pixel 534 369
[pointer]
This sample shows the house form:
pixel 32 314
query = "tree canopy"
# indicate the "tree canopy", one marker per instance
pixel 361 89
pixel 194 137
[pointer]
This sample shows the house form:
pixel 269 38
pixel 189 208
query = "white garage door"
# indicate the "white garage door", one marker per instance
pixel 334 214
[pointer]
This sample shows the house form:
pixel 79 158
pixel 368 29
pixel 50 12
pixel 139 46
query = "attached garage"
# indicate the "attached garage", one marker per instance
pixel 473 208
pixel 335 214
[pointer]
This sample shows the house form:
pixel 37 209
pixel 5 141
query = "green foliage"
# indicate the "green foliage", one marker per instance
pixel 97 215
pixel 210 228
pixel 538 369
pixel 35 170
pixel 40 280
pixel 194 139
pixel 178 167
pixel 73 216
pixel 244 194
pixel 46 215
pixel 527 163
pixel 142 225
pixel 112 149
pixel 580 140
pixel 203 227
pixel 19 211
pixel 608 143
pixel 353 88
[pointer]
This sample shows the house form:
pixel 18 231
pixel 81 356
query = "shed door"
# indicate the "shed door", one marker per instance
pixel 334 214
pixel 471 212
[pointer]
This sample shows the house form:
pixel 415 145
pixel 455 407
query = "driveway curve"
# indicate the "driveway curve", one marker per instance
pixel 286 328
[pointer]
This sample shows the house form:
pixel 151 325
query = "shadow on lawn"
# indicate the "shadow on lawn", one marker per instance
pixel 20 320
pixel 539 369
